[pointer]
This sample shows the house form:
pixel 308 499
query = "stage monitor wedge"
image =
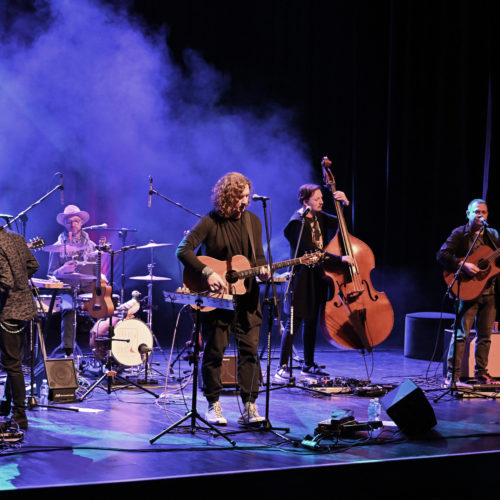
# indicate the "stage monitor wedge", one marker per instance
pixel 409 409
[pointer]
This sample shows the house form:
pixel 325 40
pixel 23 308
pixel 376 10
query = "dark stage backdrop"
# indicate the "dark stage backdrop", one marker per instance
pixel 401 95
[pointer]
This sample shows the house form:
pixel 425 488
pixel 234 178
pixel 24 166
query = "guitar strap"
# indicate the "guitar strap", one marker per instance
pixel 248 225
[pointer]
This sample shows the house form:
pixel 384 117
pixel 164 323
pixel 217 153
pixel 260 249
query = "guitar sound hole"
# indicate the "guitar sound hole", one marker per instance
pixel 482 264
pixel 232 276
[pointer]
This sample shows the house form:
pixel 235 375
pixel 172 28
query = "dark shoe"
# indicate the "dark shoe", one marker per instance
pixel 20 419
pixel 5 405
pixel 484 378
pixel 314 371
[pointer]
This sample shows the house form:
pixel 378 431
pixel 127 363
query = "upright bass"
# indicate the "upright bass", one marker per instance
pixel 358 317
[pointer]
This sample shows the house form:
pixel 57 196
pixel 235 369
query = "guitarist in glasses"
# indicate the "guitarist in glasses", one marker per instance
pixel 482 309
pixel 229 230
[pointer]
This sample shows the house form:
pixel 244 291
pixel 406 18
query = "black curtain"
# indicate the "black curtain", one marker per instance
pixel 394 92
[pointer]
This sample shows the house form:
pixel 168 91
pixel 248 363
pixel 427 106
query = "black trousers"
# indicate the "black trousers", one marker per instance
pixel 308 339
pixel 216 337
pixel 12 349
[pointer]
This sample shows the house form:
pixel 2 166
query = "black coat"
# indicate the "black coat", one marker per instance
pixel 213 239
pixel 311 286
pixel 17 265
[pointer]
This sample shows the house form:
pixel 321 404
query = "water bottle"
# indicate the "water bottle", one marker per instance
pixel 44 394
pixel 374 410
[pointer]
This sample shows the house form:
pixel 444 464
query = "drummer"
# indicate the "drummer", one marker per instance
pixel 75 257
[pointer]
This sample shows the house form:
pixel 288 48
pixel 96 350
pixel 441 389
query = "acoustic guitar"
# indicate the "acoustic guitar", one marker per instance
pixel 472 287
pixel 235 270
pixel 101 304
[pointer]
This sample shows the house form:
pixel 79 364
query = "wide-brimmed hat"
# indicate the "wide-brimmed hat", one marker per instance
pixel 71 211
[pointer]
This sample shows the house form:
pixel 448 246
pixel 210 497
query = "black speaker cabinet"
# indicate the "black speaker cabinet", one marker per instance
pixel 229 371
pixel 62 379
pixel 409 409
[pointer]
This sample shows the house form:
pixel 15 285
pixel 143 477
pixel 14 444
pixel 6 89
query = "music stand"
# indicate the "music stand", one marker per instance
pixel 193 415
pixel 32 401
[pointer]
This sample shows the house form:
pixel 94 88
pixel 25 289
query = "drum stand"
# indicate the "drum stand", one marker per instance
pixel 193 414
pixel 110 373
pixel 149 321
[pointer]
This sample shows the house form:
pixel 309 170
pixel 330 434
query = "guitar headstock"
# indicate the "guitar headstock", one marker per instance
pixel 311 259
pixel 328 178
pixel 36 243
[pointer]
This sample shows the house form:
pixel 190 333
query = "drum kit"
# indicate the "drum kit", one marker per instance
pixel 132 340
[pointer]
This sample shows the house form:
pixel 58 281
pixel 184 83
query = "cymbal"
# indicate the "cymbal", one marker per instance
pixel 152 244
pixel 150 278
pixel 64 248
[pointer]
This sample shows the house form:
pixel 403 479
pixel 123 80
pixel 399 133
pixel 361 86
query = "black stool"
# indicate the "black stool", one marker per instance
pixel 421 334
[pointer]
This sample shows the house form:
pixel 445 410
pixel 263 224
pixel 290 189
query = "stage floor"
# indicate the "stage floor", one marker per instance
pixel 106 443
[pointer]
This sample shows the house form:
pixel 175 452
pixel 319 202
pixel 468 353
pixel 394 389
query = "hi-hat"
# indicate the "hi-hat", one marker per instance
pixel 65 247
pixel 152 244
pixel 149 278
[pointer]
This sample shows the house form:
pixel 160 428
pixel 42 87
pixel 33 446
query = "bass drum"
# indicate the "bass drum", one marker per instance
pixel 129 335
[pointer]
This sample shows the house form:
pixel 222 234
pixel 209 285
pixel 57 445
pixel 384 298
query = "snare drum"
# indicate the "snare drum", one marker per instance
pixel 45 304
pixel 130 334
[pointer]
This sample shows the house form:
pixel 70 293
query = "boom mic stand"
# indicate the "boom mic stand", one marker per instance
pixel 457 279
pixel 193 414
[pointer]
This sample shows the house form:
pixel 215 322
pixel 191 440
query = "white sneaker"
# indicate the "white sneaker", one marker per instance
pixel 250 415
pixel 282 375
pixel 214 414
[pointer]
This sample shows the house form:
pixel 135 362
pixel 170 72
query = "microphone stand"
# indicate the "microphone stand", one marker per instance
pixel 457 279
pixel 289 294
pixel 153 191
pixel 22 215
pixel 193 415
pixel 272 304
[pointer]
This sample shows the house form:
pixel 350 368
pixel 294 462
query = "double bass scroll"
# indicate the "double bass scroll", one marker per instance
pixel 358 316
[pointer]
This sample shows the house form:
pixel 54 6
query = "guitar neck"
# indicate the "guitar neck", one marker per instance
pixel 254 271
pixel 493 256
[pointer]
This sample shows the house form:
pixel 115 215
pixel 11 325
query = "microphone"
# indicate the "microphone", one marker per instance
pixel 256 197
pixel 99 226
pixel 483 221
pixel 304 211
pixel 143 349
pixel 61 187
pixel 150 190
pixel 7 218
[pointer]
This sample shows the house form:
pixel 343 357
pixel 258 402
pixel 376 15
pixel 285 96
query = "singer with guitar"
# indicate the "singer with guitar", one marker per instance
pixel 227 231
pixel 75 255
pixel 482 308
